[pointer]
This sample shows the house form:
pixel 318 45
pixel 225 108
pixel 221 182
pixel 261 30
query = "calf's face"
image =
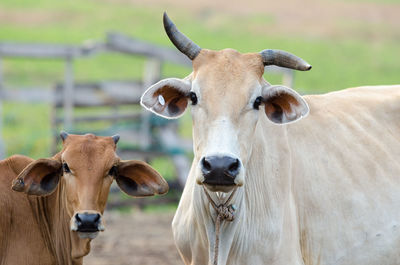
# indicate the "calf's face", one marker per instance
pixel 84 170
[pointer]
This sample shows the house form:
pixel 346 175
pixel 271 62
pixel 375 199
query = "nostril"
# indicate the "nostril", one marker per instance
pixel 97 218
pixel 77 218
pixel 234 166
pixel 206 164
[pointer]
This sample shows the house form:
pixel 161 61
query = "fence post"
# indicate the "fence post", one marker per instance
pixel 152 74
pixel 2 146
pixel 68 96
pixel 288 78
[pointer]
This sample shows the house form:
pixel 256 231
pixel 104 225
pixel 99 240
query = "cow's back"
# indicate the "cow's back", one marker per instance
pixel 21 241
pixel 346 175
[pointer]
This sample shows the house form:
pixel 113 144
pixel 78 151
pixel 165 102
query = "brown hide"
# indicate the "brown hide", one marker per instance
pixel 35 223
pixel 26 236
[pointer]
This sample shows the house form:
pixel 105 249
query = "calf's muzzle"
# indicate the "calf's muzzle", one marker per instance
pixel 88 222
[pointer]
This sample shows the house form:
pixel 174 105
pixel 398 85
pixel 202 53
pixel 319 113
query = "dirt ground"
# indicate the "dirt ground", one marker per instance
pixel 135 238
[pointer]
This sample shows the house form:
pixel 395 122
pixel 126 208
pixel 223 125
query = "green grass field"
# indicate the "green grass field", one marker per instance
pixel 354 53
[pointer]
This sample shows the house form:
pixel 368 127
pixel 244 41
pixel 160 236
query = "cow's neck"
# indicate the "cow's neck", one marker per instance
pixel 54 223
pixel 265 215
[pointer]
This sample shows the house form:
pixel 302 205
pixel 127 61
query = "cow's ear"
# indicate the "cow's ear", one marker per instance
pixel 40 177
pixel 138 179
pixel 283 105
pixel 168 98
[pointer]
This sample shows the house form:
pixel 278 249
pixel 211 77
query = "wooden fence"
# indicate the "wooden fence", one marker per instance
pixel 69 96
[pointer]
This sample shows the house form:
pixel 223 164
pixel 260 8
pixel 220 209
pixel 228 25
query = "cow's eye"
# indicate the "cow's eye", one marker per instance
pixel 193 98
pixel 113 171
pixel 257 102
pixel 66 168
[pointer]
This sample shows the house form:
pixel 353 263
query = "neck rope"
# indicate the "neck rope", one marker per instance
pixel 225 211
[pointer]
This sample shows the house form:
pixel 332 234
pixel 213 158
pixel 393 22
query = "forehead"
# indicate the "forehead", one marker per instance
pixel 228 74
pixel 88 149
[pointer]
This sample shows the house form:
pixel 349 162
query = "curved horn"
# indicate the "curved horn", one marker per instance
pixel 63 135
pixel 181 42
pixel 284 59
pixel 115 138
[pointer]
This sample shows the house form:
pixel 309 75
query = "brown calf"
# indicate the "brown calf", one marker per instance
pixel 58 208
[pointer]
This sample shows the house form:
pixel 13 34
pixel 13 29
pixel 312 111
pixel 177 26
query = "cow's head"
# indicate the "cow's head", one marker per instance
pixel 228 94
pixel 83 171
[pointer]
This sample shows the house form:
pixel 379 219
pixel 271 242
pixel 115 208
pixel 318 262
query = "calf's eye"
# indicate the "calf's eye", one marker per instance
pixel 257 102
pixel 113 171
pixel 66 168
pixel 193 98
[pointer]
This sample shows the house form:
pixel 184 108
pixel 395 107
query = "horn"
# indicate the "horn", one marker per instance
pixel 284 59
pixel 181 42
pixel 115 138
pixel 63 135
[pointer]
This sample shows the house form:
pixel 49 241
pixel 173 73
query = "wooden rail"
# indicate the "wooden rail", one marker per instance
pixel 69 96
pixel 45 51
pixel 128 45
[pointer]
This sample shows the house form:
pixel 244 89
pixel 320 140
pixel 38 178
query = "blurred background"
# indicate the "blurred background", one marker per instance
pixel 82 65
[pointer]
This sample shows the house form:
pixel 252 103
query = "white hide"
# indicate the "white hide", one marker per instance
pixel 223 141
pixel 325 190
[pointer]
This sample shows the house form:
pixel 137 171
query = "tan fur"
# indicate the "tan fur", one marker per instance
pixel 42 224
pixel 36 229
pixel 24 232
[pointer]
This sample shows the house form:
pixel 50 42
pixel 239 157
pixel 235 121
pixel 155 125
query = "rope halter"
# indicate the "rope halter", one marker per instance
pixel 225 211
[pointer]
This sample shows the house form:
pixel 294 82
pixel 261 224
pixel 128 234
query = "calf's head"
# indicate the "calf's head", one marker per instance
pixel 85 169
pixel 228 94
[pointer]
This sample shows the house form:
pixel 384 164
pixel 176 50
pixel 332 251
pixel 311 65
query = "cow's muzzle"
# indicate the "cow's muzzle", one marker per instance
pixel 219 170
pixel 88 225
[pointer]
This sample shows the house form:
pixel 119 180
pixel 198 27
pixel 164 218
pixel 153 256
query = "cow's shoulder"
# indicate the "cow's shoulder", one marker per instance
pixel 15 163
pixel 18 227
pixel 355 94
pixel 10 169
pixel 366 99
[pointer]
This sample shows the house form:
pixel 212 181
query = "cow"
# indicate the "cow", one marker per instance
pixel 55 207
pixel 310 179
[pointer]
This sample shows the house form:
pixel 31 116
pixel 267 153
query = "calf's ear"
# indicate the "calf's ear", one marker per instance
pixel 40 177
pixel 138 179
pixel 283 105
pixel 168 98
